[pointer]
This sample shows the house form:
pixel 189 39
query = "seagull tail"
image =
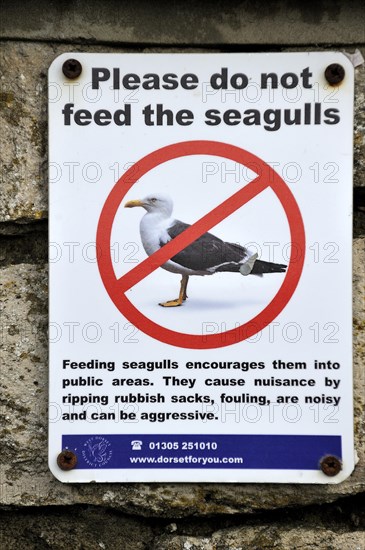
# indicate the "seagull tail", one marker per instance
pixel 261 267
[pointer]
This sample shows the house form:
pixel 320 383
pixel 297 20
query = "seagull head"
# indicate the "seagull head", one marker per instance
pixel 154 203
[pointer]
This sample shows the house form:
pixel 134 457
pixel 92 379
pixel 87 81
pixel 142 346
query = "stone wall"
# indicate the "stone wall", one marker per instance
pixel 37 511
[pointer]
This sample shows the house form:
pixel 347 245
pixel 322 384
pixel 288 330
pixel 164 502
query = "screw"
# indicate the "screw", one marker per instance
pixel 334 74
pixel 72 68
pixel 331 465
pixel 67 460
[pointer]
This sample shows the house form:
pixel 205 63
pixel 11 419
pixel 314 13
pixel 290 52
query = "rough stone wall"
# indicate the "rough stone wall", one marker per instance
pixel 37 511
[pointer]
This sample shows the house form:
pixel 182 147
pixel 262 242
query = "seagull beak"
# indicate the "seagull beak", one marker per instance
pixel 131 204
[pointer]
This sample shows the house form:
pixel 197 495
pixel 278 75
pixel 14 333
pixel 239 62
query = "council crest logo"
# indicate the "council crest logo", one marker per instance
pixel 97 451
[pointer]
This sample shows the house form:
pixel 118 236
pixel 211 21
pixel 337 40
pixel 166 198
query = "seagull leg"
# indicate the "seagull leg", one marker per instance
pixel 184 285
pixel 182 294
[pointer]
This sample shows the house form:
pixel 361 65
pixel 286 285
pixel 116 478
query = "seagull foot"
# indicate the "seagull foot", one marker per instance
pixel 182 294
pixel 247 267
pixel 171 303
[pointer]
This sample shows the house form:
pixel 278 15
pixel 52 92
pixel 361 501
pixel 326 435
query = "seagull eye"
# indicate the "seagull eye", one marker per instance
pixel 153 200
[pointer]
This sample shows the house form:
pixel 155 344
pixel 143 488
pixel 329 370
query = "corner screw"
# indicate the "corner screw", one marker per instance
pixel 334 74
pixel 331 465
pixel 72 68
pixel 67 460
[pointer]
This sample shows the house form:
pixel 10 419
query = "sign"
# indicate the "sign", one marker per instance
pixel 200 268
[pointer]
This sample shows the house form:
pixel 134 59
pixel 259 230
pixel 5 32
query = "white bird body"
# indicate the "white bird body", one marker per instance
pixel 153 230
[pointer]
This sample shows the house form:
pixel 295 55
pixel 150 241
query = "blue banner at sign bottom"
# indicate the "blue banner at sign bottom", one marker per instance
pixel 269 452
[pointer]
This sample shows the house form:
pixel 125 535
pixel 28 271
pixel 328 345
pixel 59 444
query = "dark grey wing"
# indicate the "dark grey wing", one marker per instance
pixel 206 252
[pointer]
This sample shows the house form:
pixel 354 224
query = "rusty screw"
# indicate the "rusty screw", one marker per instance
pixel 334 74
pixel 72 68
pixel 331 465
pixel 67 460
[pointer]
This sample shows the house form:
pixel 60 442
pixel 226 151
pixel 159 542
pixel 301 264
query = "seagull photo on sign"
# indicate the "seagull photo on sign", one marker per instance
pixel 205 256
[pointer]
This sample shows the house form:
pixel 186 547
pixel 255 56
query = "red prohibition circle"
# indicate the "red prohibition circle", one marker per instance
pixel 198 341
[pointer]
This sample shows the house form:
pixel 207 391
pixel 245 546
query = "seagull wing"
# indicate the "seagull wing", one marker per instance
pixel 208 252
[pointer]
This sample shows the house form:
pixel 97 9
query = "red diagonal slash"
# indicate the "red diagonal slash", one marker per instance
pixel 191 234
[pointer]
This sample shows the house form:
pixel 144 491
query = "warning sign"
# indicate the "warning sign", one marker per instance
pixel 192 233
pixel 200 268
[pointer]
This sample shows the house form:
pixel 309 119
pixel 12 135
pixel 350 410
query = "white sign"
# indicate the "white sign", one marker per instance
pixel 200 267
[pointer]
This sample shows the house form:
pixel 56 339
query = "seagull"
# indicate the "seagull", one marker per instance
pixel 205 256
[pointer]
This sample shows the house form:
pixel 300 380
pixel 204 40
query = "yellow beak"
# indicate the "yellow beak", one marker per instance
pixel 131 204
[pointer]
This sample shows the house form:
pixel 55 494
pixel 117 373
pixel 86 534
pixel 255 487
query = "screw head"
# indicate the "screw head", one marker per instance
pixel 331 465
pixel 66 460
pixel 334 74
pixel 72 68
